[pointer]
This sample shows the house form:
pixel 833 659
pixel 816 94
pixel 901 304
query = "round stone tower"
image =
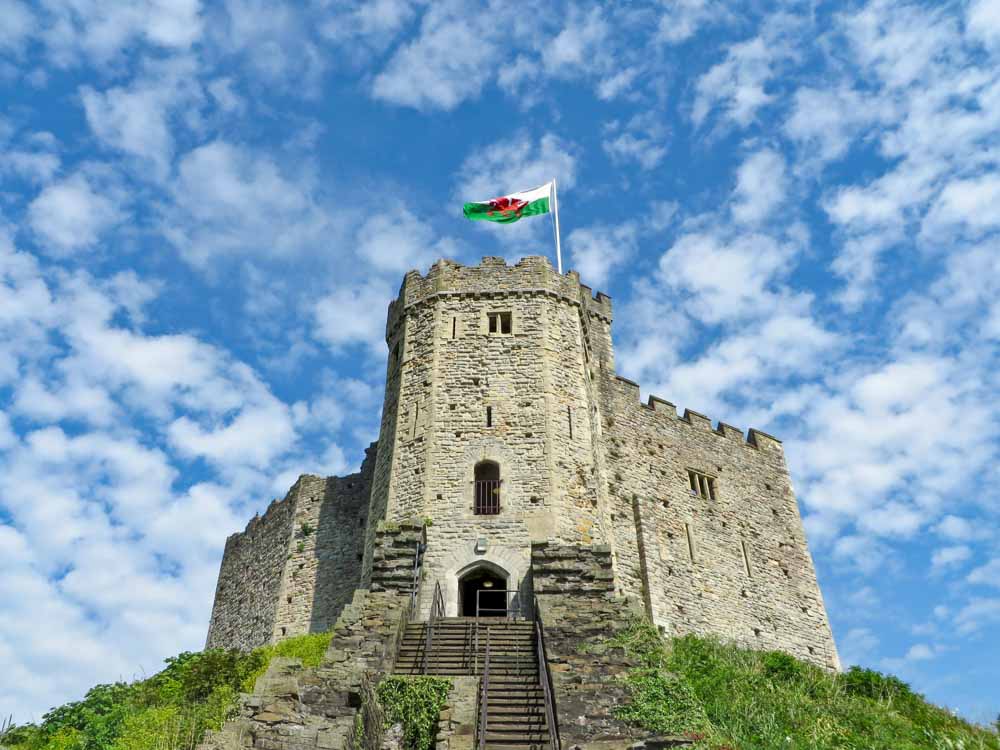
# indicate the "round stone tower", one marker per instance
pixel 489 428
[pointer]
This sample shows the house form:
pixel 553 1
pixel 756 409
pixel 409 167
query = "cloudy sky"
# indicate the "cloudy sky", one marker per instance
pixel 205 209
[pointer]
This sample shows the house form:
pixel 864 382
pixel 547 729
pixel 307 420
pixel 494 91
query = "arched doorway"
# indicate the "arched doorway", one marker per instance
pixel 491 585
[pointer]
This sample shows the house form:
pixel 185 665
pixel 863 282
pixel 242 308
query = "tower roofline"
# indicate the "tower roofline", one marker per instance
pixel 532 274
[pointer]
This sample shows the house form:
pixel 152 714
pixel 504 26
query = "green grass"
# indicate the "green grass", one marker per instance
pixel 732 698
pixel 169 711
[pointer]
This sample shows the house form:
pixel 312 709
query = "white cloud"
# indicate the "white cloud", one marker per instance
pixel 987 575
pixel 450 61
pixel 760 186
pixel 962 529
pixel 973 204
pixel 857 646
pixel 18 24
pixel 231 201
pixel 983 20
pixel 681 19
pixel 824 121
pixel 737 84
pixel 137 119
pixel 977 614
pixel 597 250
pixel 71 215
pixel 344 316
pixel 398 242
pixel 641 140
pixel 78 31
pixel 946 557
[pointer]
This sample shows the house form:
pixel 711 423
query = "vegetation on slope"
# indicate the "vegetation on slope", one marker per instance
pixel 169 711
pixel 732 698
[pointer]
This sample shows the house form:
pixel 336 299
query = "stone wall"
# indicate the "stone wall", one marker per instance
pixel 736 565
pixel 294 568
pixel 579 613
pixel 249 585
pixel 293 708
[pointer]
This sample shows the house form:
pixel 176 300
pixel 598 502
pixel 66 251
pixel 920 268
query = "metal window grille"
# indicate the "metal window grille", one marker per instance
pixel 487 501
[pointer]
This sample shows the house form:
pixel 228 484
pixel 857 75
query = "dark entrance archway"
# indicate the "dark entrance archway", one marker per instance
pixel 492 600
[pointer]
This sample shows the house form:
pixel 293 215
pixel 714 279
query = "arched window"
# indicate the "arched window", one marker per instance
pixel 487 489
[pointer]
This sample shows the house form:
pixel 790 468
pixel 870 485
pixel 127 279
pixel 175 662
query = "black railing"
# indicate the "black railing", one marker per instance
pixel 545 678
pixel 437 612
pixel 484 694
pixel 511 611
pixel 487 497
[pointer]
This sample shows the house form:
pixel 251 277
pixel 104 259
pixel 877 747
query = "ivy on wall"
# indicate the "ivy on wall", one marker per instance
pixel 416 703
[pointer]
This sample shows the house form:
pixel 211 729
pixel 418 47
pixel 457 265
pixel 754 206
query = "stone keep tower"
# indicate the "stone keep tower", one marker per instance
pixel 504 429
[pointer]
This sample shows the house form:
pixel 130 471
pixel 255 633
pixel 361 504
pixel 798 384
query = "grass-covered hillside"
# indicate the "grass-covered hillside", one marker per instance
pixel 727 698
pixel 169 711
pixel 732 698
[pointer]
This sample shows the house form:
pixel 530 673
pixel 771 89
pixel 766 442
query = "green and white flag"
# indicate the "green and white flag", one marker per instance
pixel 510 208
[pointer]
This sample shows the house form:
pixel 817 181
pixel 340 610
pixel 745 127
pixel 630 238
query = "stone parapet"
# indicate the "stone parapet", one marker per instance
pixel 571 569
pixel 394 556
pixel 532 274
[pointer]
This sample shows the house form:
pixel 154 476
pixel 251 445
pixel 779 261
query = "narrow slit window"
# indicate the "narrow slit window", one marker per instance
pixel 701 485
pixel 454 327
pixel 746 558
pixel 689 535
pixel 416 419
pixel 500 323
pixel 395 355
pixel 569 420
pixel 489 416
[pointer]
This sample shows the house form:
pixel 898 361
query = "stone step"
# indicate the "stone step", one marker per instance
pixel 515 711
pixel 517 738
pixel 521 727
pixel 510 746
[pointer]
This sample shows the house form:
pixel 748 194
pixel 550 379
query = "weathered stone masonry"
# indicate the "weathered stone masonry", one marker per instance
pixel 582 463
pixel 295 568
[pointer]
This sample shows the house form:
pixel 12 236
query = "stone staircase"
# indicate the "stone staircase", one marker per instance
pixel 515 701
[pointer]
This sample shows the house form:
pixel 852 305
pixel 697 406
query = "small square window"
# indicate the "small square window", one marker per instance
pixel 701 485
pixel 500 323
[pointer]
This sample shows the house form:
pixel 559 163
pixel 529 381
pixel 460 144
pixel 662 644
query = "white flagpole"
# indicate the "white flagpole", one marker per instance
pixel 555 215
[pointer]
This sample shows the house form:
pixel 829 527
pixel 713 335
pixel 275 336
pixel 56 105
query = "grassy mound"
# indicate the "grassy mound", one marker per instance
pixel 169 711
pixel 732 698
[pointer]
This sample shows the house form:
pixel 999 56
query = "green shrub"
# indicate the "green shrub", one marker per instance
pixel 416 703
pixel 782 667
pixel 309 648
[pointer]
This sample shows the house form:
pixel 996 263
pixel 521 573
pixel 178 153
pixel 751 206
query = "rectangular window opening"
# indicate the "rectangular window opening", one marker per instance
pixel 690 540
pixel 746 558
pixel 701 485
pixel 489 416
pixel 500 323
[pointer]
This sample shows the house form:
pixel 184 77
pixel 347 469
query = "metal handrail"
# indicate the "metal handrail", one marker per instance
pixel 437 612
pixel 484 690
pixel 545 678
pixel 511 610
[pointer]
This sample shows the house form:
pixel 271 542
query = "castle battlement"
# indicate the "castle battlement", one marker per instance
pixel 506 428
pixel 493 277
pixel 756 439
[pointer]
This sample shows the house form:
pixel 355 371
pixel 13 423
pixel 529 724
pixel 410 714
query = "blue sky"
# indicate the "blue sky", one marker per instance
pixel 205 209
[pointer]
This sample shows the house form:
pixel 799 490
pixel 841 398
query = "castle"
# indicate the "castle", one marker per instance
pixel 508 437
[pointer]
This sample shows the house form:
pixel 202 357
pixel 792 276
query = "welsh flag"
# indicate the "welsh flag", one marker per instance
pixel 508 208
